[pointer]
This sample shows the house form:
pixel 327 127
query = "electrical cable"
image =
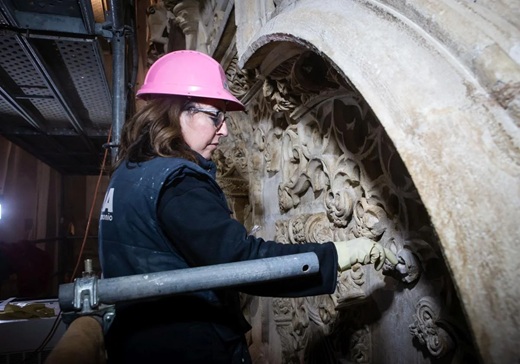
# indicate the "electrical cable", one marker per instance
pixel 45 341
pixel 91 208
pixel 58 318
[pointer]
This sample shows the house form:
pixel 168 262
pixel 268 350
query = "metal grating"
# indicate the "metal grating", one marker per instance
pixel 49 7
pixel 55 98
pixel 84 64
pixel 16 64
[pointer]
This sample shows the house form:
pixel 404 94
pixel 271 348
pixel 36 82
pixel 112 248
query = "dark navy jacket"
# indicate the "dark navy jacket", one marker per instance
pixel 169 213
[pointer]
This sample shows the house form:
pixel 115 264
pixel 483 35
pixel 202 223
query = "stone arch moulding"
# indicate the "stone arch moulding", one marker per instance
pixel 459 142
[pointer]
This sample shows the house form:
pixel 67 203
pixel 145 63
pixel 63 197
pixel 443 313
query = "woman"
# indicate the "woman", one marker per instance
pixel 164 210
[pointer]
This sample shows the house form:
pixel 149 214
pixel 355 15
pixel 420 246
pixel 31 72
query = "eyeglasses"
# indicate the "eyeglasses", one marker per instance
pixel 218 117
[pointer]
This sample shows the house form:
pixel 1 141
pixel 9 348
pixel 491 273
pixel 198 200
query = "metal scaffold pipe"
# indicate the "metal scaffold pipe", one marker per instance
pixel 128 288
pixel 119 87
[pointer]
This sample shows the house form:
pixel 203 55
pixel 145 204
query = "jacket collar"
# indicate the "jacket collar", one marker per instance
pixel 207 165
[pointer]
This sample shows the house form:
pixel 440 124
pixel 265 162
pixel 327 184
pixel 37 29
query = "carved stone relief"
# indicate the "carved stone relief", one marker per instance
pixel 197 24
pixel 318 167
pixel 427 331
pixel 311 162
pixel 187 16
pixel 158 31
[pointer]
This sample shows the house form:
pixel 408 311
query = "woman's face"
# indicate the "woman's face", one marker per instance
pixel 200 127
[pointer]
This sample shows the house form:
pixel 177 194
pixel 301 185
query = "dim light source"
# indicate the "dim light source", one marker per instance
pixel 99 7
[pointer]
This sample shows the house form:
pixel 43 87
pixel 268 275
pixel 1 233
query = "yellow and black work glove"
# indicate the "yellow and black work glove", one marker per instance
pixel 363 251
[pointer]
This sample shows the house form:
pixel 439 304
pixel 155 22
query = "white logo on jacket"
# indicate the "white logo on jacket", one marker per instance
pixel 108 208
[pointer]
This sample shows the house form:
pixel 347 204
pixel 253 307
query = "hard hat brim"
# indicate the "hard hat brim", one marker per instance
pixel 233 104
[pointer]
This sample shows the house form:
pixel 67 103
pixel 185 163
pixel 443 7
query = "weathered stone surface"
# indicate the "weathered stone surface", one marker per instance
pixel 441 81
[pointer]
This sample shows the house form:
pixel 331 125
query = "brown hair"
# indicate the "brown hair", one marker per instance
pixel 155 130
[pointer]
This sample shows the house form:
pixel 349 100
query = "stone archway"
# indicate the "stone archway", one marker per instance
pixel 446 111
pixel 321 167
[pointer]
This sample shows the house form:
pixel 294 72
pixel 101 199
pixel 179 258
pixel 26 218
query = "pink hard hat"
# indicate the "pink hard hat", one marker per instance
pixel 189 73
